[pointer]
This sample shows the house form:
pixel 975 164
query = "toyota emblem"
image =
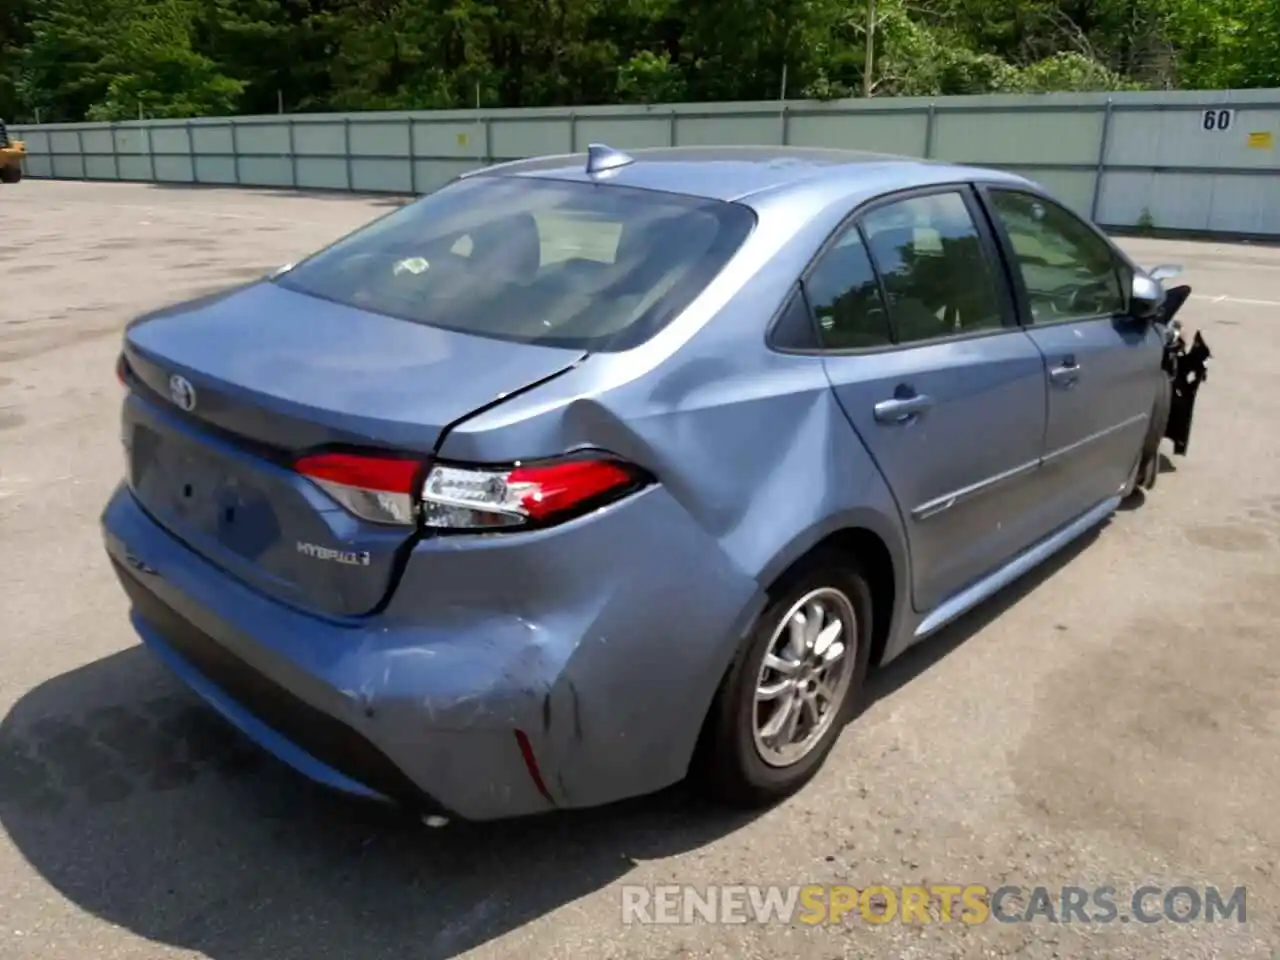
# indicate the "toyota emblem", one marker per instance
pixel 182 392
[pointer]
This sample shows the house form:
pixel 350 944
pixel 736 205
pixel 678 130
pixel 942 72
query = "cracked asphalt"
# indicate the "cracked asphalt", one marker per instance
pixel 1110 720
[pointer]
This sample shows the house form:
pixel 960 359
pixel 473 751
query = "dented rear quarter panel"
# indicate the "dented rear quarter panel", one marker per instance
pixel 748 442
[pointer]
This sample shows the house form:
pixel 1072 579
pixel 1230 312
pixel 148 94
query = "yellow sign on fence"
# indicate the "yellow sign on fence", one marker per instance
pixel 1262 140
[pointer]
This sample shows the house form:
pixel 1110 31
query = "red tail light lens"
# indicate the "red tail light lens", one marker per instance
pixel 122 370
pixel 377 489
pixel 479 498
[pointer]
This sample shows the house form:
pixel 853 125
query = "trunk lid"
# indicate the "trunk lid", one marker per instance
pixel 265 375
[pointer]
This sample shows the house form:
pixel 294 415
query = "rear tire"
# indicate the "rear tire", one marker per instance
pixel 10 174
pixel 742 761
pixel 1146 469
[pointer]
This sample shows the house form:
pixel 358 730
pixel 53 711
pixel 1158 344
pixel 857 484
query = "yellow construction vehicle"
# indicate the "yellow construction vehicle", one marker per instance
pixel 11 154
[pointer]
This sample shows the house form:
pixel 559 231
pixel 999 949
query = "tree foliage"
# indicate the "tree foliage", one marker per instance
pixel 119 59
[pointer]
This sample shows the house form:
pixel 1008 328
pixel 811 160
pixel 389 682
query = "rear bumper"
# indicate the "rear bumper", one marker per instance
pixel 484 690
pixel 309 740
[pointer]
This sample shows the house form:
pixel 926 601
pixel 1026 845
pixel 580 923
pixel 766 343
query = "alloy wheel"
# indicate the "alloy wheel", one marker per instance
pixel 804 676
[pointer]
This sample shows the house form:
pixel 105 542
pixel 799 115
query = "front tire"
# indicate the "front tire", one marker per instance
pixel 799 679
pixel 1149 469
pixel 1131 485
pixel 10 174
pixel 1146 471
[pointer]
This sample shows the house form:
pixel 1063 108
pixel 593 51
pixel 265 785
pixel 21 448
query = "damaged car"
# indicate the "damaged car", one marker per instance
pixel 585 474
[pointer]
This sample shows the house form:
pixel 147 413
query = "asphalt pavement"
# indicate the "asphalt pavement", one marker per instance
pixel 1110 721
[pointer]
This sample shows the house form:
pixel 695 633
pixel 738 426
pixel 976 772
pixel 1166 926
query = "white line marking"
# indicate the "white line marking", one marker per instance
pixel 189 211
pixel 182 211
pixel 1223 298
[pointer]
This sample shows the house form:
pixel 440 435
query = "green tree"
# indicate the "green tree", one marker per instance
pixel 1227 43
pixel 59 71
pixel 117 59
pixel 72 59
pixel 271 47
pixel 15 34
pixel 650 77
pixel 153 68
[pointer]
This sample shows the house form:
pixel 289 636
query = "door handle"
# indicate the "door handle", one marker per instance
pixel 1066 374
pixel 902 409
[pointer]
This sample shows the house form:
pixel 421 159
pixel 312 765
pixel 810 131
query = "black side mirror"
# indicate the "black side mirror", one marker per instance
pixel 1146 297
pixel 1174 298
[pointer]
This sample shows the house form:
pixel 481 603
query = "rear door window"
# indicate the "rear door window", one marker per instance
pixel 578 265
pixel 845 297
pixel 932 259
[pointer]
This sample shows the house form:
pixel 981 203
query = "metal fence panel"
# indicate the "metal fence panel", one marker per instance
pixel 210 139
pixel 1178 137
pixel 1180 198
pixel 318 139
pixel 133 140
pixel 375 138
pixel 512 137
pixel 625 133
pixel 215 170
pixel 717 131
pixel 433 174
pixel 381 174
pixel 1245 204
pixel 1072 187
pixel 322 173
pixel 134 168
pixel 449 139
pixel 904 133
pixel 1020 137
pixel 1192 160
pixel 263 139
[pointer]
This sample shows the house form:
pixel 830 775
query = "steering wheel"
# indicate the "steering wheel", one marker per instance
pixel 1064 301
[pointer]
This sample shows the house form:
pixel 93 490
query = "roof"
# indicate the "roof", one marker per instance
pixel 731 173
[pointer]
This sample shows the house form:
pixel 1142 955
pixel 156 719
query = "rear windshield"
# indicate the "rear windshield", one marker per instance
pixel 579 265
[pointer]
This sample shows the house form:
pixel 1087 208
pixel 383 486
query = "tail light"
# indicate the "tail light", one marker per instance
pixel 122 370
pixel 377 489
pixel 464 497
pixel 458 497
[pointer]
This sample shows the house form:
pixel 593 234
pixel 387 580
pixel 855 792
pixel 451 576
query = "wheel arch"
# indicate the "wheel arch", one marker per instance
pixel 875 541
pixel 881 558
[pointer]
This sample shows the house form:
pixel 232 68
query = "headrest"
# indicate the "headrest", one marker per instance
pixel 511 246
pixel 893 241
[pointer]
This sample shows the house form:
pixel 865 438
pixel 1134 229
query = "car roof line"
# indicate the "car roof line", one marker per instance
pixel 816 175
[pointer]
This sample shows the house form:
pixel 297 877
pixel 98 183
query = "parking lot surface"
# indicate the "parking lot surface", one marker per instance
pixel 1111 720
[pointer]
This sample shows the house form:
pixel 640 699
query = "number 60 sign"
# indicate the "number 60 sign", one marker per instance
pixel 1217 119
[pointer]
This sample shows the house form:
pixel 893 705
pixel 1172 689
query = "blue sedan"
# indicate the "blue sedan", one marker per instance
pixel 587 473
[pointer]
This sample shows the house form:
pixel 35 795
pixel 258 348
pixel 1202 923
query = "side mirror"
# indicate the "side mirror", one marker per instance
pixel 1165 271
pixel 1146 297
